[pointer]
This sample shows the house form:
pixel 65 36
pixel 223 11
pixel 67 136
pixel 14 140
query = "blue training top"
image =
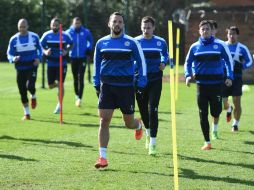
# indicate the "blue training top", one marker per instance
pixel 27 47
pixel 205 61
pixel 114 61
pixel 156 52
pixel 241 57
pixel 52 40
pixel 82 42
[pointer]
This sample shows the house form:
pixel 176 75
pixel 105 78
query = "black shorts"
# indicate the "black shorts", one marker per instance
pixel 234 90
pixel 53 74
pixel 209 95
pixel 112 97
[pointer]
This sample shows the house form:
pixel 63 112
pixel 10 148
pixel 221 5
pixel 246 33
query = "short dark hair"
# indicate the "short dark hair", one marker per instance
pixel 116 14
pixel 214 23
pixel 205 22
pixel 147 19
pixel 233 28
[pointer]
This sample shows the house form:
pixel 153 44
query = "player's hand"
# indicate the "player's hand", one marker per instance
pixel 98 89
pixel 36 62
pixel 47 52
pixel 162 66
pixel 65 52
pixel 228 82
pixel 187 81
pixel 16 59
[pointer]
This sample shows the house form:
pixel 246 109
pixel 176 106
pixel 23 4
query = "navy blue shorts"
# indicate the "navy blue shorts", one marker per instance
pixel 234 90
pixel 53 74
pixel 113 97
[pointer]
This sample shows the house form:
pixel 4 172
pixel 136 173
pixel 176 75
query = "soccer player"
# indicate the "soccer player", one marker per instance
pixel 50 42
pixel 82 48
pixel 204 64
pixel 156 56
pixel 114 78
pixel 215 123
pixel 242 60
pixel 25 52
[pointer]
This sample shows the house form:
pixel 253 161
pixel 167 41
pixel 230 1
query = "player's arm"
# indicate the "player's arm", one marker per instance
pixel 247 57
pixel 164 56
pixel 141 64
pixel 46 51
pixel 187 66
pixel 226 56
pixel 90 42
pixel 11 52
pixel 69 44
pixel 97 67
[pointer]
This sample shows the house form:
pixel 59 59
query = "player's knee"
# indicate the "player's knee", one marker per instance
pixel 104 121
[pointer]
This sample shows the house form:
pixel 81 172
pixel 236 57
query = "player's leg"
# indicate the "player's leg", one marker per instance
pixel 31 86
pixel 74 69
pixel 215 101
pixel 237 93
pixel 226 92
pixel 21 79
pixel 125 100
pixel 142 101
pixel 106 108
pixel 154 98
pixel 202 101
pixel 81 75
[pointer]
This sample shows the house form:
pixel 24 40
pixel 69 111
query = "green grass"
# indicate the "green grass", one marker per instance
pixel 41 154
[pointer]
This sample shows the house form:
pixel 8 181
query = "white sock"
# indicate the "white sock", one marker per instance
pixel 103 152
pixel 139 126
pixel 207 142
pixel 148 132
pixel 215 127
pixel 26 110
pixel 152 140
pixel 229 108
pixel 58 105
pixel 235 122
pixel 33 96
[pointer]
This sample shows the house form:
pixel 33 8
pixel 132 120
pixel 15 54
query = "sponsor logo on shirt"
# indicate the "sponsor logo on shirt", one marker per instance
pixel 127 43
pixel 215 46
pixel 158 43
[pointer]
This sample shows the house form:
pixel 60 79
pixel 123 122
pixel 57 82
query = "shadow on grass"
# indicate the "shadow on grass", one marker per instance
pixel 133 172
pixel 190 174
pixel 245 152
pixel 251 132
pixel 249 142
pixel 75 124
pixel 68 143
pixel 249 166
pixel 19 158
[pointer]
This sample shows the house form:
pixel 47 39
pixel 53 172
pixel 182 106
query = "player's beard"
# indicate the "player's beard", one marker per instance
pixel 117 31
pixel 55 30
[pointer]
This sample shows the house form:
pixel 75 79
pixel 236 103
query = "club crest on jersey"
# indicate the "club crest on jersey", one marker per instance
pixel 127 43
pixel 105 43
pixel 158 43
pixel 215 46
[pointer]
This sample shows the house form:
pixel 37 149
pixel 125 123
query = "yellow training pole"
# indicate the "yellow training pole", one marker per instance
pixel 177 61
pixel 173 112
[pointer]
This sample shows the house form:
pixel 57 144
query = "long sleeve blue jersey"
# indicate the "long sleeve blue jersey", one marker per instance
pixel 52 40
pixel 241 58
pixel 114 61
pixel 155 52
pixel 205 61
pixel 82 42
pixel 27 47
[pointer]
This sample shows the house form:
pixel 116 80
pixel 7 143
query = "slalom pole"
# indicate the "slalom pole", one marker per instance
pixel 173 108
pixel 61 74
pixel 177 61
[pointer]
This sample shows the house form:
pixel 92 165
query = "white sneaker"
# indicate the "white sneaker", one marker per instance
pixel 57 110
pixel 78 102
